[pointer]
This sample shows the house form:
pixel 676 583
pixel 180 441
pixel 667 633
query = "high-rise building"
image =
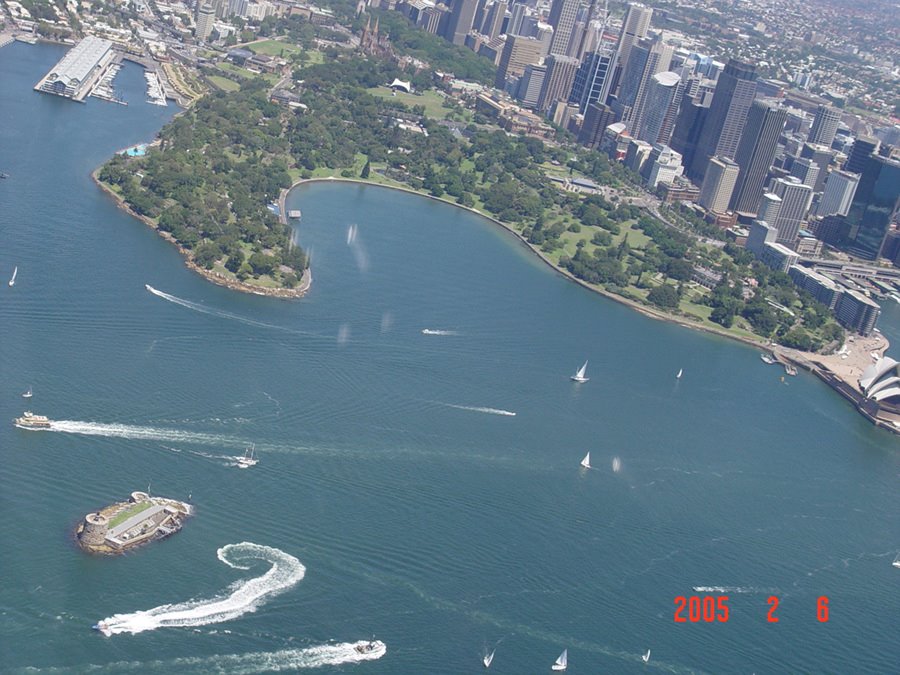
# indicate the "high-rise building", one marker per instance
pixel 825 125
pixel 663 165
pixel 822 155
pixel 529 91
pixel 718 184
pixel 840 188
pixel 769 207
pixel 727 114
pixel 806 170
pixel 761 233
pixel 596 119
pixel 875 205
pixel 755 153
pixel 635 26
pixel 558 82
pixel 648 57
pixel 562 18
pixel 592 78
pixel 517 53
pixel 688 125
pixel 493 21
pixel 863 148
pixel 795 200
pixel 460 21
pixel 660 108
pixel 516 16
pixel 206 15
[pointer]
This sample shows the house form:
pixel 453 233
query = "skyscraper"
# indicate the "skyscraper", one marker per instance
pixel 530 84
pixel 769 207
pixel 648 57
pixel 660 107
pixel 562 18
pixel 718 185
pixel 205 17
pixel 863 148
pixel 517 15
pixel 722 130
pixel 822 156
pixel 825 125
pixel 688 125
pixel 795 201
pixel 840 188
pixel 517 53
pixel 875 205
pixel 460 21
pixel 806 170
pixel 558 81
pixel 493 21
pixel 635 26
pixel 596 119
pixel 592 78
pixel 755 153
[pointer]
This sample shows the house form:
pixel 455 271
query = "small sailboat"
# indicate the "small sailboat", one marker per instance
pixel 586 462
pixel 896 562
pixel 579 376
pixel 680 371
pixel 562 662
pixel 27 394
pixel 12 281
pixel 646 657
pixel 248 459
pixel 488 659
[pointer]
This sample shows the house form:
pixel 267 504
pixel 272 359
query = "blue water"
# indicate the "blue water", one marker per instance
pixel 423 512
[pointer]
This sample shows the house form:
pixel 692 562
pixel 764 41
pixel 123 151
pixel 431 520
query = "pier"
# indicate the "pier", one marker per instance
pixel 76 73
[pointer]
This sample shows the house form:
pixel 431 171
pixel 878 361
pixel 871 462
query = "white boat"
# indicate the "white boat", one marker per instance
pixel 646 656
pixel 248 459
pixel 102 627
pixel 579 376
pixel 562 662
pixel 12 281
pixel 488 659
pixel 767 358
pixel 896 562
pixel 586 462
pixel 680 371
pixel 27 394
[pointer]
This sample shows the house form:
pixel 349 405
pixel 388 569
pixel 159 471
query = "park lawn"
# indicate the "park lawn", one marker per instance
pixel 245 73
pixel 274 48
pixel 128 512
pixel 224 83
pixel 430 100
pixel 636 237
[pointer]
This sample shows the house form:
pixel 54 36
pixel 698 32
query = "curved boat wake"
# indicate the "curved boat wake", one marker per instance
pixel 489 411
pixel 243 596
pixel 142 433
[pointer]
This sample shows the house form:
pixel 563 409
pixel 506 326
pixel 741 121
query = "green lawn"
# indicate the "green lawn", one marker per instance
pixel 127 512
pixel 249 74
pixel 431 100
pixel 274 48
pixel 224 83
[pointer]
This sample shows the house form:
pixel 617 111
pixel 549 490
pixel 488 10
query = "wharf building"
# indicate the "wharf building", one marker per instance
pixel 77 72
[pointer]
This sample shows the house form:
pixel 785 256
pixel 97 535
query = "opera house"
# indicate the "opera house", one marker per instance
pixel 880 384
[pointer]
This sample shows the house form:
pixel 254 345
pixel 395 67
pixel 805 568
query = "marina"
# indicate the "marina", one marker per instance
pixel 104 88
pixel 155 93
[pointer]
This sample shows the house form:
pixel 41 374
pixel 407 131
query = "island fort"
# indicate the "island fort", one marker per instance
pixel 119 527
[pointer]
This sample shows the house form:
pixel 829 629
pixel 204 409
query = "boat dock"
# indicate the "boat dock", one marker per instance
pixel 104 88
pixel 76 73
pixel 294 213
pixel 155 93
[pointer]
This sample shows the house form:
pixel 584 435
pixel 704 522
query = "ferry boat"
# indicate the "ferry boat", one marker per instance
pixel 30 421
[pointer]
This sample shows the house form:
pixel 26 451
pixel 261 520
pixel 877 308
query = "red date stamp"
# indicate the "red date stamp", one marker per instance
pixel 714 608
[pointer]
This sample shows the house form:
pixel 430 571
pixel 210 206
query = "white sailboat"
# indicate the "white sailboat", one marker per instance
pixel 586 462
pixel 248 459
pixel 680 371
pixel 896 562
pixel 562 662
pixel 27 394
pixel 488 659
pixel 579 376
pixel 12 281
pixel 646 656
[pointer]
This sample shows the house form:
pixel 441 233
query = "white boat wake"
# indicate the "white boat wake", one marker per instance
pixel 246 664
pixel 142 433
pixel 434 331
pixel 489 411
pixel 203 309
pixel 244 596
pixel 731 589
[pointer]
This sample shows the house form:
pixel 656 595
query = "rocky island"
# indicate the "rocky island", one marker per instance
pixel 120 527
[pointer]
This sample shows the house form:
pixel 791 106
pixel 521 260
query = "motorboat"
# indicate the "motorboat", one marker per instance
pixel 372 648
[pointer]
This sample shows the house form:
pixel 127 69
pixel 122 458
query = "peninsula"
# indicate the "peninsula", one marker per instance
pixel 120 527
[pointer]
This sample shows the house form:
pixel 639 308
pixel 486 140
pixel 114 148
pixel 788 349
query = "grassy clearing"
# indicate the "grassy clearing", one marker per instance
pixel 128 512
pixel 274 48
pixel 224 83
pixel 432 101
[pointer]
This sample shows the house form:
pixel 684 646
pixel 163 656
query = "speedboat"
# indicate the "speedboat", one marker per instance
pixel 102 627
pixel 27 394
pixel 373 648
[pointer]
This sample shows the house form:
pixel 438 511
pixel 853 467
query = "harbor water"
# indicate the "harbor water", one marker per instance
pixel 422 489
